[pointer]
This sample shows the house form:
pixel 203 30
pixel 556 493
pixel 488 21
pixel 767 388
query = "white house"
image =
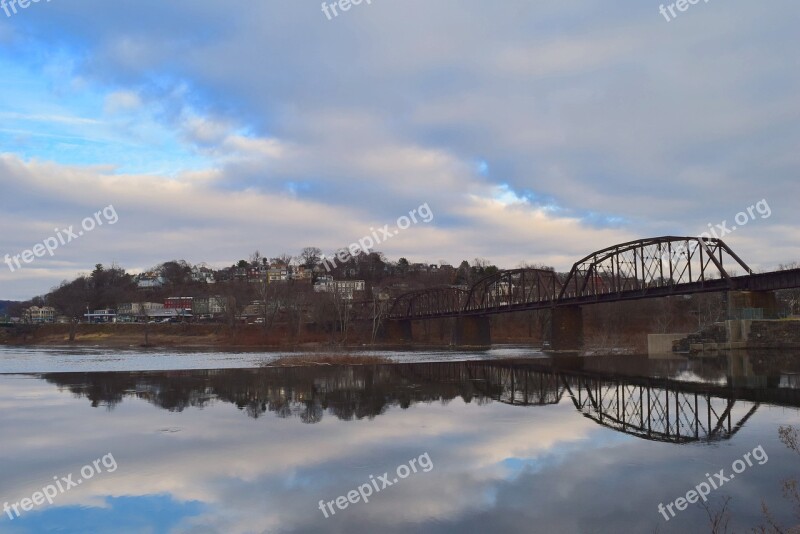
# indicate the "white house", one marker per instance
pixel 346 289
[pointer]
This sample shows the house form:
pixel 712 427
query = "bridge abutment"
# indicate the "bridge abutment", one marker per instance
pixel 566 328
pixel 473 332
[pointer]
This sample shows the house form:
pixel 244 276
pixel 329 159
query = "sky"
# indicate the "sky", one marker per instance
pixel 534 131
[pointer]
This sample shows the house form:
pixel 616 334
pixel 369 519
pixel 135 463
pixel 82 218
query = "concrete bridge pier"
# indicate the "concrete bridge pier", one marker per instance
pixel 473 332
pixel 566 328
pixel 399 331
pixel 739 302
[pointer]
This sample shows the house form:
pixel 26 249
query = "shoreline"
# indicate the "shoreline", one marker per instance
pixel 244 338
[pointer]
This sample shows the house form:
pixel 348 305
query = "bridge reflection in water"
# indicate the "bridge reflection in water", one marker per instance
pixel 678 401
pixel 653 409
pixel 658 414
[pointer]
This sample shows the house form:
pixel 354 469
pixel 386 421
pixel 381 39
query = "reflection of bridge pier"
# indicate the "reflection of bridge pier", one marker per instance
pixel 517 386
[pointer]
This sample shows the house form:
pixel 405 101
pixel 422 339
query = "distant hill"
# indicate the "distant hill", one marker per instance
pixel 5 304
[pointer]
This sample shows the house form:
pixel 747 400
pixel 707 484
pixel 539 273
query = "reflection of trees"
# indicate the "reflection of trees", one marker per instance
pixel 366 391
pixel 720 514
pixel 790 437
pixel 348 392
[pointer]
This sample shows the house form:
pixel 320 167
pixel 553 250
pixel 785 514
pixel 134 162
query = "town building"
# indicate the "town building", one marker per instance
pixel 39 315
pixel 135 310
pixel 303 274
pixel 254 309
pixel 183 305
pixel 150 280
pixel 277 274
pixel 346 289
pixel 101 316
pixel 208 306
pixel 203 274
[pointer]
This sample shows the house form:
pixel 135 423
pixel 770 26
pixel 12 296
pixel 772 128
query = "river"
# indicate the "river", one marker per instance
pixel 507 440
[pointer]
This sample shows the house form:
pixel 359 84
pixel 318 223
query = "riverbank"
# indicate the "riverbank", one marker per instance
pixel 255 337
pixel 212 337
pixel 774 334
pixel 159 336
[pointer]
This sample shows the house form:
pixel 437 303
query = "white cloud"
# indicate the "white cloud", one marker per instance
pixel 122 101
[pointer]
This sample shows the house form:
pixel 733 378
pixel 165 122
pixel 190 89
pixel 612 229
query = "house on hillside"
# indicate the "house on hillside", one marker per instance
pixel 346 289
pixel 39 315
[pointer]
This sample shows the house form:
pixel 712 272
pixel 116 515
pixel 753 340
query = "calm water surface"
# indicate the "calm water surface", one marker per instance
pixel 507 443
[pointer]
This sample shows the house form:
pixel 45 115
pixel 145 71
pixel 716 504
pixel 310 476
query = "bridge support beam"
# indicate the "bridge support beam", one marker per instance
pixel 745 305
pixel 473 332
pixel 566 328
pixel 399 331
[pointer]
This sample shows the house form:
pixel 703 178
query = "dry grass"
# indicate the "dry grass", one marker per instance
pixel 326 359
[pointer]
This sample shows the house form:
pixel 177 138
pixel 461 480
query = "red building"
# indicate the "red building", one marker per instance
pixel 179 303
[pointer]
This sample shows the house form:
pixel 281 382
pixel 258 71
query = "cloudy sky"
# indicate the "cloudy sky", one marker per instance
pixel 535 131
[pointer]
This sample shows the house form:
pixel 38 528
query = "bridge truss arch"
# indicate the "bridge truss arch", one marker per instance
pixel 645 268
pixel 430 302
pixel 512 289
pixel 652 263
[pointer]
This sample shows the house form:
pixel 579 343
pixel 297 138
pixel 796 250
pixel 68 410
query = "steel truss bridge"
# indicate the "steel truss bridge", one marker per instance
pixel 663 410
pixel 646 268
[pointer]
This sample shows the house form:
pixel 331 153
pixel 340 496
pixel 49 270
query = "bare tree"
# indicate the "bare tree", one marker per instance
pixel 145 313
pixel 718 519
pixel 379 311
pixel 296 301
pixel 710 309
pixel 310 257
pixel 323 311
pixel 663 315
pixel 283 259
pixel 344 313
pixel 271 296
pixel 790 437
pixel 531 265
pixel 790 296
pixel 72 298
pixel 234 294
